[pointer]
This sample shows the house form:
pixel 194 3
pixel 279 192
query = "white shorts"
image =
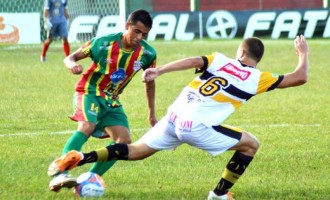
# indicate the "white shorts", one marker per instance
pixel 167 135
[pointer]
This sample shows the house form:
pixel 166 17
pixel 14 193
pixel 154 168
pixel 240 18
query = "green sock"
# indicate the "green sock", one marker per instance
pixel 75 142
pixel 101 167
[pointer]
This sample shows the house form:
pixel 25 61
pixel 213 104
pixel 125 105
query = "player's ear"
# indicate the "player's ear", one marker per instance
pixel 244 53
pixel 127 25
pixel 240 53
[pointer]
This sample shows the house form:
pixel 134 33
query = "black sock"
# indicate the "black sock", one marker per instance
pixel 88 158
pixel 117 152
pixel 234 169
pixel 111 152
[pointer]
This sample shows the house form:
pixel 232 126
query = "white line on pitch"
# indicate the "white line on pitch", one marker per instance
pixel 145 129
pixel 282 125
pixel 56 133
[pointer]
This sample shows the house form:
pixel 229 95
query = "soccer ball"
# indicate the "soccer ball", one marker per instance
pixel 89 184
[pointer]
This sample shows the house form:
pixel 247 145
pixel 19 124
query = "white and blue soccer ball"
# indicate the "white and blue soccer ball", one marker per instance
pixel 90 184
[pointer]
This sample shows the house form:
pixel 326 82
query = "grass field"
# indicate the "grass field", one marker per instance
pixel 292 126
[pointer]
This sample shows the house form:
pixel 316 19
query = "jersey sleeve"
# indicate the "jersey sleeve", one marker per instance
pixel 207 60
pixel 153 63
pixel 268 81
pixel 92 48
pixel 149 56
pixel 86 48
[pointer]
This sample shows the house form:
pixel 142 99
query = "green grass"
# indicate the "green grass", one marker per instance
pixel 292 126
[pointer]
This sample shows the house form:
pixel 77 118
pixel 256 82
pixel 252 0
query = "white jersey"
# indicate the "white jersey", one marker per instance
pixel 224 86
pixel 196 115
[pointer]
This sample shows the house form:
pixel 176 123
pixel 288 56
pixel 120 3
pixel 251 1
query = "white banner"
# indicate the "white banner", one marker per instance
pixel 20 28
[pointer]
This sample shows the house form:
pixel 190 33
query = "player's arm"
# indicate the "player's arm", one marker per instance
pixel 70 61
pixel 300 75
pixel 183 64
pixel 47 24
pixel 150 89
pixel 46 7
pixel 46 13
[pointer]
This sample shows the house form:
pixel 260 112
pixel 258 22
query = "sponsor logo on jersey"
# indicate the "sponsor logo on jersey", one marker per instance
pixel 184 125
pixel 235 71
pixel 172 118
pixel 137 65
pixel 146 52
pixel 192 97
pixel 105 46
pixel 108 60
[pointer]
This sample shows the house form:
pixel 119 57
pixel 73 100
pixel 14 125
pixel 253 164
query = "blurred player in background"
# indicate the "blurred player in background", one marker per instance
pixel 56 19
pixel 197 115
pixel 116 58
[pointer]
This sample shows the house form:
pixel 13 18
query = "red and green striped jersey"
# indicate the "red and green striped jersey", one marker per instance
pixel 113 67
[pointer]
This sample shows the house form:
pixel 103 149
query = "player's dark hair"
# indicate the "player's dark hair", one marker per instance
pixel 255 48
pixel 142 16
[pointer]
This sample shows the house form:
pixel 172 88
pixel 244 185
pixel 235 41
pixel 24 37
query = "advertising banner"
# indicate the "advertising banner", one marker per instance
pixel 222 24
pixel 19 28
pixel 219 24
pixel 23 28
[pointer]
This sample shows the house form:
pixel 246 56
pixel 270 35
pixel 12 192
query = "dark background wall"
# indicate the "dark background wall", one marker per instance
pixel 205 5
pixel 169 5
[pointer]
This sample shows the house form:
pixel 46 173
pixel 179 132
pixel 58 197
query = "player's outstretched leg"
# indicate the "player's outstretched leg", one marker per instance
pixel 64 163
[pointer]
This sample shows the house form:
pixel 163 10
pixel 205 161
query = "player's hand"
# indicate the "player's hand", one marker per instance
pixel 149 74
pixel 74 67
pixel 77 69
pixel 300 45
pixel 47 24
pixel 152 120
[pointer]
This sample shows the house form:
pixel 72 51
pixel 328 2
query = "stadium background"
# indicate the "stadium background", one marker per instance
pixel 103 7
pixel 292 125
pixel 166 5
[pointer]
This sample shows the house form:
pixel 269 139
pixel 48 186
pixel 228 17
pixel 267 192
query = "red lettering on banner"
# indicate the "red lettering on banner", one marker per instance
pixel 235 71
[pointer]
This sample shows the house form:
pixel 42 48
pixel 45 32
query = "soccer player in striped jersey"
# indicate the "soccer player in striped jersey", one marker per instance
pixel 56 16
pixel 197 116
pixel 116 58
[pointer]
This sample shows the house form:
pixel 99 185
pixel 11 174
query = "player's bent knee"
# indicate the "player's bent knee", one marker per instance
pixel 253 143
pixel 86 127
pixel 249 144
pixel 124 138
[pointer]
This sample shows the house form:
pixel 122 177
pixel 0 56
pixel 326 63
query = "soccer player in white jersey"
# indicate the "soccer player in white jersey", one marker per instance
pixel 196 117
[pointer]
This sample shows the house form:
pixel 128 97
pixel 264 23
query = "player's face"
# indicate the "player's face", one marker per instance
pixel 136 33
